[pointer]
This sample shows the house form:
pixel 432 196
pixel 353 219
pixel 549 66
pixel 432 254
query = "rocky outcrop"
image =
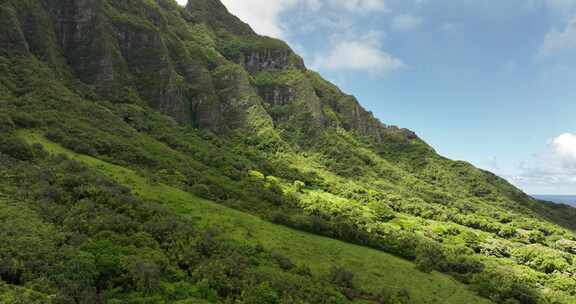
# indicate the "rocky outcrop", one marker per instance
pixel 156 78
pixel 356 118
pixel 241 106
pixel 75 21
pixel 271 59
pixel 277 95
pixel 290 96
pixel 154 53
pixel 124 52
pixel 206 108
pixel 86 39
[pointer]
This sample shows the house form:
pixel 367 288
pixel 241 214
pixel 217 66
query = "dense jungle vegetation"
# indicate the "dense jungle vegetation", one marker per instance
pixel 151 153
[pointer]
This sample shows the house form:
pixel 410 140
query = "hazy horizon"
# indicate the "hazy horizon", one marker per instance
pixel 559 199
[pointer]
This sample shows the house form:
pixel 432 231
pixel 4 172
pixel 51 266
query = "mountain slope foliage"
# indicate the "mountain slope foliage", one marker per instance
pixel 154 101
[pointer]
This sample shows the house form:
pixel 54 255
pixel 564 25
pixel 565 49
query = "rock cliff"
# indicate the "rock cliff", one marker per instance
pixel 199 64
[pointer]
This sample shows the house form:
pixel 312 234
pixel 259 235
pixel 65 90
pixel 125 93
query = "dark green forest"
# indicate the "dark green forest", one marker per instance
pixel 153 153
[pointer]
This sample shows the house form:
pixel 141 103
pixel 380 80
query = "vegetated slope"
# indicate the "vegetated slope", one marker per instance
pixel 377 272
pixel 251 128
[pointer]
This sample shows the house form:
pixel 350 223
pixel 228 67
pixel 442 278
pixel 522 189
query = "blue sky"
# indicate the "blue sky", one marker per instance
pixel 488 82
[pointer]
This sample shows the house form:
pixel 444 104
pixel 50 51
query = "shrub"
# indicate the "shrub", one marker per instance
pixel 256 176
pixel 502 287
pixel 262 294
pixel 272 180
pixel 341 277
pixel 463 264
pixel 299 186
pixel 16 148
pixel 430 256
pixel 283 261
pixel 201 190
pixel 55 135
pixel 143 273
pixel 403 296
pixel 25 120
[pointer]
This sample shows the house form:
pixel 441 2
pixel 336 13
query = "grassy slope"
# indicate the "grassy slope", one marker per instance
pixel 373 268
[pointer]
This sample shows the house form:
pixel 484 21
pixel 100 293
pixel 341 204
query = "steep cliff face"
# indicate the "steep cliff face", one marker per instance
pixel 270 59
pixel 240 104
pixel 79 28
pixel 75 21
pixel 287 88
pixel 171 59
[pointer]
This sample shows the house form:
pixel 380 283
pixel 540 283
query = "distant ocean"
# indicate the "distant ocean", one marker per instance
pixel 562 199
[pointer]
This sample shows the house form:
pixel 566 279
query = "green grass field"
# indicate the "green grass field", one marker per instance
pixel 373 269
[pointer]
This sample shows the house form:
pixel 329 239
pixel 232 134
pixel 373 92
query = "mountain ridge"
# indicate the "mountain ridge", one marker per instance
pixel 192 98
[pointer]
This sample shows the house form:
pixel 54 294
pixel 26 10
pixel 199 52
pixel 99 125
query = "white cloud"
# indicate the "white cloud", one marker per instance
pixel 348 53
pixel 552 171
pixel 264 16
pixel 564 146
pixel 363 53
pixel 557 42
pixel 406 22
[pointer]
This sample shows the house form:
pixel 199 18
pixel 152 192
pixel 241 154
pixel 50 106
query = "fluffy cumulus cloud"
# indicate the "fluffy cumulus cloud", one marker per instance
pixel 358 53
pixel 554 169
pixel 564 146
pixel 406 22
pixel 263 16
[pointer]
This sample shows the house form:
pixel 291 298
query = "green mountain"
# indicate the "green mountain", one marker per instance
pixel 151 153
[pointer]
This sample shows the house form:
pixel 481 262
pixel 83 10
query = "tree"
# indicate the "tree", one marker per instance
pixel 262 294
pixel 143 273
pixel 342 277
pixel 256 176
pixel 16 148
pixel 430 256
